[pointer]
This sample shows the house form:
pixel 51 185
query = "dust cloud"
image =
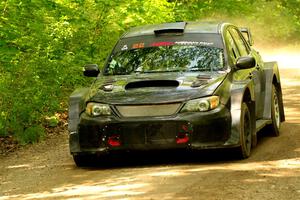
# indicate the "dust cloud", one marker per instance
pixel 287 57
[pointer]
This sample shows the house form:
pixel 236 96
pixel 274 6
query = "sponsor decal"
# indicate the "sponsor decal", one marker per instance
pixel 183 43
pixel 193 43
pixel 165 43
pixel 138 45
pixel 158 44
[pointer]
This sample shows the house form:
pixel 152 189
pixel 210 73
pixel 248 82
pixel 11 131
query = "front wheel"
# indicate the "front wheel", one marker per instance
pixel 275 113
pixel 244 149
pixel 84 160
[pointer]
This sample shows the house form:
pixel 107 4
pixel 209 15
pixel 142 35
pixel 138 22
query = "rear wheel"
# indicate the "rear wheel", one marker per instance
pixel 275 113
pixel 245 133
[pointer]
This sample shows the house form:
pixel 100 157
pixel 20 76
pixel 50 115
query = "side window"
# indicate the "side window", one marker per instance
pixel 233 52
pixel 242 46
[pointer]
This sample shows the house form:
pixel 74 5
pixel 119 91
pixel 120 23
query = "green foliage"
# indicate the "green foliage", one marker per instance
pixel 31 135
pixel 52 121
pixel 44 43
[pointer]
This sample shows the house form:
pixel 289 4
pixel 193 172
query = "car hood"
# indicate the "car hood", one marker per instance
pixel 153 88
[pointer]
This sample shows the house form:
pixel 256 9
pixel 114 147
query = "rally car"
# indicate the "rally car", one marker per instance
pixel 182 85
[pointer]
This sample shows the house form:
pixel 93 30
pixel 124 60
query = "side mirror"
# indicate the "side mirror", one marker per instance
pixel 91 70
pixel 245 62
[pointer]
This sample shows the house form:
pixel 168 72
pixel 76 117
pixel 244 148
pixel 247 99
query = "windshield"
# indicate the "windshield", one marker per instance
pixel 166 59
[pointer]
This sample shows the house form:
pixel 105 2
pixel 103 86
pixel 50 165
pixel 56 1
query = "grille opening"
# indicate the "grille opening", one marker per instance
pixel 152 83
pixel 148 110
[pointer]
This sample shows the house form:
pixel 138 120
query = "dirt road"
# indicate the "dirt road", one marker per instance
pixel 47 171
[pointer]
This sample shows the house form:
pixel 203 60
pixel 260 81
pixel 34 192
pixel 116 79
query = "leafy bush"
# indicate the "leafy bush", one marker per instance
pixel 32 135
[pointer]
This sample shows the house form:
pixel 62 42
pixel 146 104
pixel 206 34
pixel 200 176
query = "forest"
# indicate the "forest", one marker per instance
pixel 45 43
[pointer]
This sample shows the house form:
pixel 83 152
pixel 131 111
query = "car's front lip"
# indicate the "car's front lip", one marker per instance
pixel 206 130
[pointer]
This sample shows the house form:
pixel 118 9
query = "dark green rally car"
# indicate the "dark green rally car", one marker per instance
pixel 183 85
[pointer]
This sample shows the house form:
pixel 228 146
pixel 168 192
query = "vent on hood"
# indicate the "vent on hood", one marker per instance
pixel 198 83
pixel 152 83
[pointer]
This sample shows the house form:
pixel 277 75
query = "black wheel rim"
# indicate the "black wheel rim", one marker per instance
pixel 276 109
pixel 247 132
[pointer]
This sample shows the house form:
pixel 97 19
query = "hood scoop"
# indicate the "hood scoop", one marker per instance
pixel 151 83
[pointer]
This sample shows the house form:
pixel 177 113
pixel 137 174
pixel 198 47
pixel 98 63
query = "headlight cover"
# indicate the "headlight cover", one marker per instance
pixel 97 109
pixel 201 105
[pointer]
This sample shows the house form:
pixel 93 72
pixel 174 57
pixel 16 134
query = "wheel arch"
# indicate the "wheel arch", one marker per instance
pixel 241 92
pixel 272 77
pixel 76 106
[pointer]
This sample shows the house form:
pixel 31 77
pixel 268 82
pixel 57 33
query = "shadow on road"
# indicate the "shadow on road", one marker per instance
pixel 140 159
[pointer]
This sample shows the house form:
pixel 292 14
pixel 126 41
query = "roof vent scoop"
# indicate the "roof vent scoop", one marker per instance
pixel 173 28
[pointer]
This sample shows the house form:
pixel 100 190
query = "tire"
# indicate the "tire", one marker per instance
pixel 273 129
pixel 244 150
pixel 84 160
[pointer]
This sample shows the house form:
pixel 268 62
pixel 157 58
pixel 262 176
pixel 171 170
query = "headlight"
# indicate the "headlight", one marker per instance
pixel 97 109
pixel 202 104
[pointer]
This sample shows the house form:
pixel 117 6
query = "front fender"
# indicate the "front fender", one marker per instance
pixel 238 91
pixel 76 106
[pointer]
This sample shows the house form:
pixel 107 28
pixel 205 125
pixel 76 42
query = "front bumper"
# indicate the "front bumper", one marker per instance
pixel 194 130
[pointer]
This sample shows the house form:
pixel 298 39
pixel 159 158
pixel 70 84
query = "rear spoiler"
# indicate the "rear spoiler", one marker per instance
pixel 247 35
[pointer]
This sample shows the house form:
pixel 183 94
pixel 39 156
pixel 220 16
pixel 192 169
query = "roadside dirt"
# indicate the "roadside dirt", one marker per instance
pixel 46 170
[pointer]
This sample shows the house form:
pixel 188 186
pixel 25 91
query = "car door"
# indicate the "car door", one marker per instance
pixel 256 73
